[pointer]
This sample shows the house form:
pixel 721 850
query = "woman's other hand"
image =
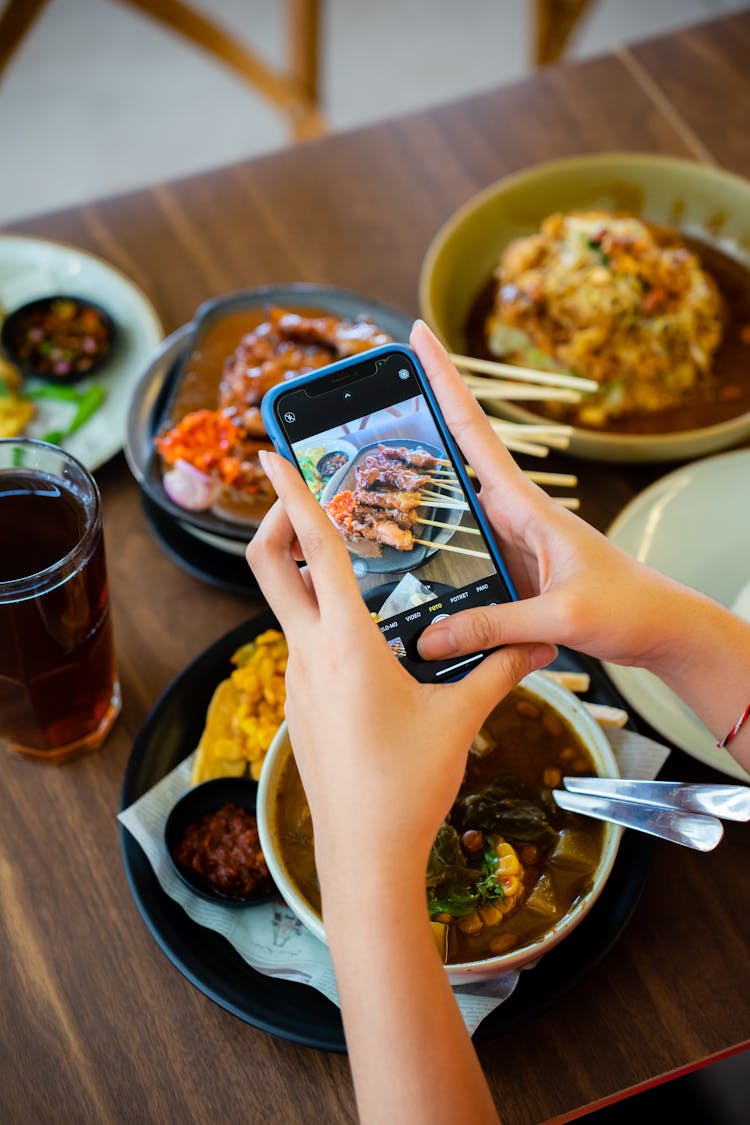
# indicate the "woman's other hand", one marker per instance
pixel 576 588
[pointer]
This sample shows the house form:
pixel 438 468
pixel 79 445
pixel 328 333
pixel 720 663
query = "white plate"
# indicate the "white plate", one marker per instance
pixel 693 525
pixel 31 268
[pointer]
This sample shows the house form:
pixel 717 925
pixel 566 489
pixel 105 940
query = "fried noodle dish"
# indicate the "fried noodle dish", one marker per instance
pixel 611 298
pixel 210 454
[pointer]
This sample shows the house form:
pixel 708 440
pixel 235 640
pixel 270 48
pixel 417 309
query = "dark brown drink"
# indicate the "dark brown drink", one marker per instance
pixel 58 686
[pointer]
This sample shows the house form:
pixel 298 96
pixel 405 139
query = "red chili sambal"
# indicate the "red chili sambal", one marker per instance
pixel 58 338
pixel 223 850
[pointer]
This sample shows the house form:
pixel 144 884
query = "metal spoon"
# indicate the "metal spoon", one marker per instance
pixel 730 802
pixel 690 829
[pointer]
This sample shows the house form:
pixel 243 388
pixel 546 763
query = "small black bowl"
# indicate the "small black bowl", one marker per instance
pixel 197 802
pixel 23 319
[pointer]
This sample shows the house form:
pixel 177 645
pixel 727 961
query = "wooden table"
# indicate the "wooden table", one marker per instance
pixel 96 1024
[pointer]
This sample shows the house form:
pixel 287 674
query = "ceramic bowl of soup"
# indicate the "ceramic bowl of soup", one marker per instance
pixel 510 874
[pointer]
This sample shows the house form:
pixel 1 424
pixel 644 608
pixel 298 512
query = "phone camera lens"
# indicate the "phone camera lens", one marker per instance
pixel 404 373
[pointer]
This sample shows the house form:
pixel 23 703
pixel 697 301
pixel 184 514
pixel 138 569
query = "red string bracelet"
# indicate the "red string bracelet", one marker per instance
pixel 735 729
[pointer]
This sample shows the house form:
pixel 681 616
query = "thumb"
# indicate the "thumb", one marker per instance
pixel 483 688
pixel 475 630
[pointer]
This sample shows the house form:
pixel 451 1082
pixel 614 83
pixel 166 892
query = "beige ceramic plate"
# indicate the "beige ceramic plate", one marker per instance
pixel 35 267
pixel 693 525
pixel 702 201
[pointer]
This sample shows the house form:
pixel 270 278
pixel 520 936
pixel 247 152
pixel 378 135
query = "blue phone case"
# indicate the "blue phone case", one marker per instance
pixel 268 412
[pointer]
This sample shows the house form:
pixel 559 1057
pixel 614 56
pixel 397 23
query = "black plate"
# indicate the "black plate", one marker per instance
pixel 294 1011
pixel 10 325
pixel 201 560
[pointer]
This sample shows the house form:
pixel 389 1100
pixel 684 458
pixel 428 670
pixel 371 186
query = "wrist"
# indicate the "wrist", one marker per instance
pixel 388 882
pixel 690 630
pixel 674 624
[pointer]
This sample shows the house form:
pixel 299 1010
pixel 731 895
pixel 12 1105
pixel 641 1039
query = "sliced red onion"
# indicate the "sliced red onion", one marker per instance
pixel 189 488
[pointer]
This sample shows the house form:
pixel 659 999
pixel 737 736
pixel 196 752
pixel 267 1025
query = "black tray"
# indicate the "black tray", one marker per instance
pixel 297 1012
pixel 210 564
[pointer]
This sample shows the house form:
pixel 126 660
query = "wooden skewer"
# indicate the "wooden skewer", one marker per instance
pixel 447 507
pixel 450 526
pixel 481 389
pixel 432 500
pixel 535 430
pixel 531 448
pixel 573 681
pixel 520 445
pixel 450 547
pixel 529 374
pixel 565 479
pixel 552 442
pixel 571 502
pixel 612 718
pixel 437 483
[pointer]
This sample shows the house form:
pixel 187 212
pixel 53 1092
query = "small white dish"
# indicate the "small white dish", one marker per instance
pixel 693 525
pixel 34 267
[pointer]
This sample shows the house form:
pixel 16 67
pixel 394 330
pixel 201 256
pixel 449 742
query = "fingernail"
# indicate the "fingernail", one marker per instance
pixel 419 322
pixel 542 655
pixel 266 463
pixel 437 643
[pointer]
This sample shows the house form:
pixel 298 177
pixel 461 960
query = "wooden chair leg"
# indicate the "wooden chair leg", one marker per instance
pixel 554 23
pixel 286 93
pixel 304 65
pixel 16 19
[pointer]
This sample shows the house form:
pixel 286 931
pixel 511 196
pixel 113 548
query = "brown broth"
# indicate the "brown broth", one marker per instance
pixel 525 745
pixel 198 388
pixel 727 397
pixel 296 835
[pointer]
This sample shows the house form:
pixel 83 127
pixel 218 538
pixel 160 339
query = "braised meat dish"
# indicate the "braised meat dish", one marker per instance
pixel 210 456
pixel 282 347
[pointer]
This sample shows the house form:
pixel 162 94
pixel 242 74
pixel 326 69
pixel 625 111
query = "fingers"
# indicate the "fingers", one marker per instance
pixel 269 556
pixel 483 688
pixel 321 546
pixel 543 619
pixel 466 420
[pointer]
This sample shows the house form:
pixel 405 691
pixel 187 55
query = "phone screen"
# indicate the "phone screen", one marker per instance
pixel 370 449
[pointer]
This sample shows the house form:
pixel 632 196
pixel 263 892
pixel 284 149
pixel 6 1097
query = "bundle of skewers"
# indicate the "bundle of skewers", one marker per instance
pixel 394 491
pixel 491 381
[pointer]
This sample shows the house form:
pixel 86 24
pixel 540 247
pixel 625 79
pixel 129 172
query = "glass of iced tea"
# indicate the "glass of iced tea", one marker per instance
pixel 59 693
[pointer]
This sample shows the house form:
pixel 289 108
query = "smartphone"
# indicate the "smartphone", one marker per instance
pixel 368 436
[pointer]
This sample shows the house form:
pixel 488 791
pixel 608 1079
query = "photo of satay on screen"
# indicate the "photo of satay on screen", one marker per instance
pixel 397 500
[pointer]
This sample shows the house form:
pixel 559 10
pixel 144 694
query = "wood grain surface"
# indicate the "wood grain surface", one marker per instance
pixel 96 1024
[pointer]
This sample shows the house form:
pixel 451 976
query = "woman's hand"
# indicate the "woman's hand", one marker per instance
pixel 576 588
pixel 381 756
